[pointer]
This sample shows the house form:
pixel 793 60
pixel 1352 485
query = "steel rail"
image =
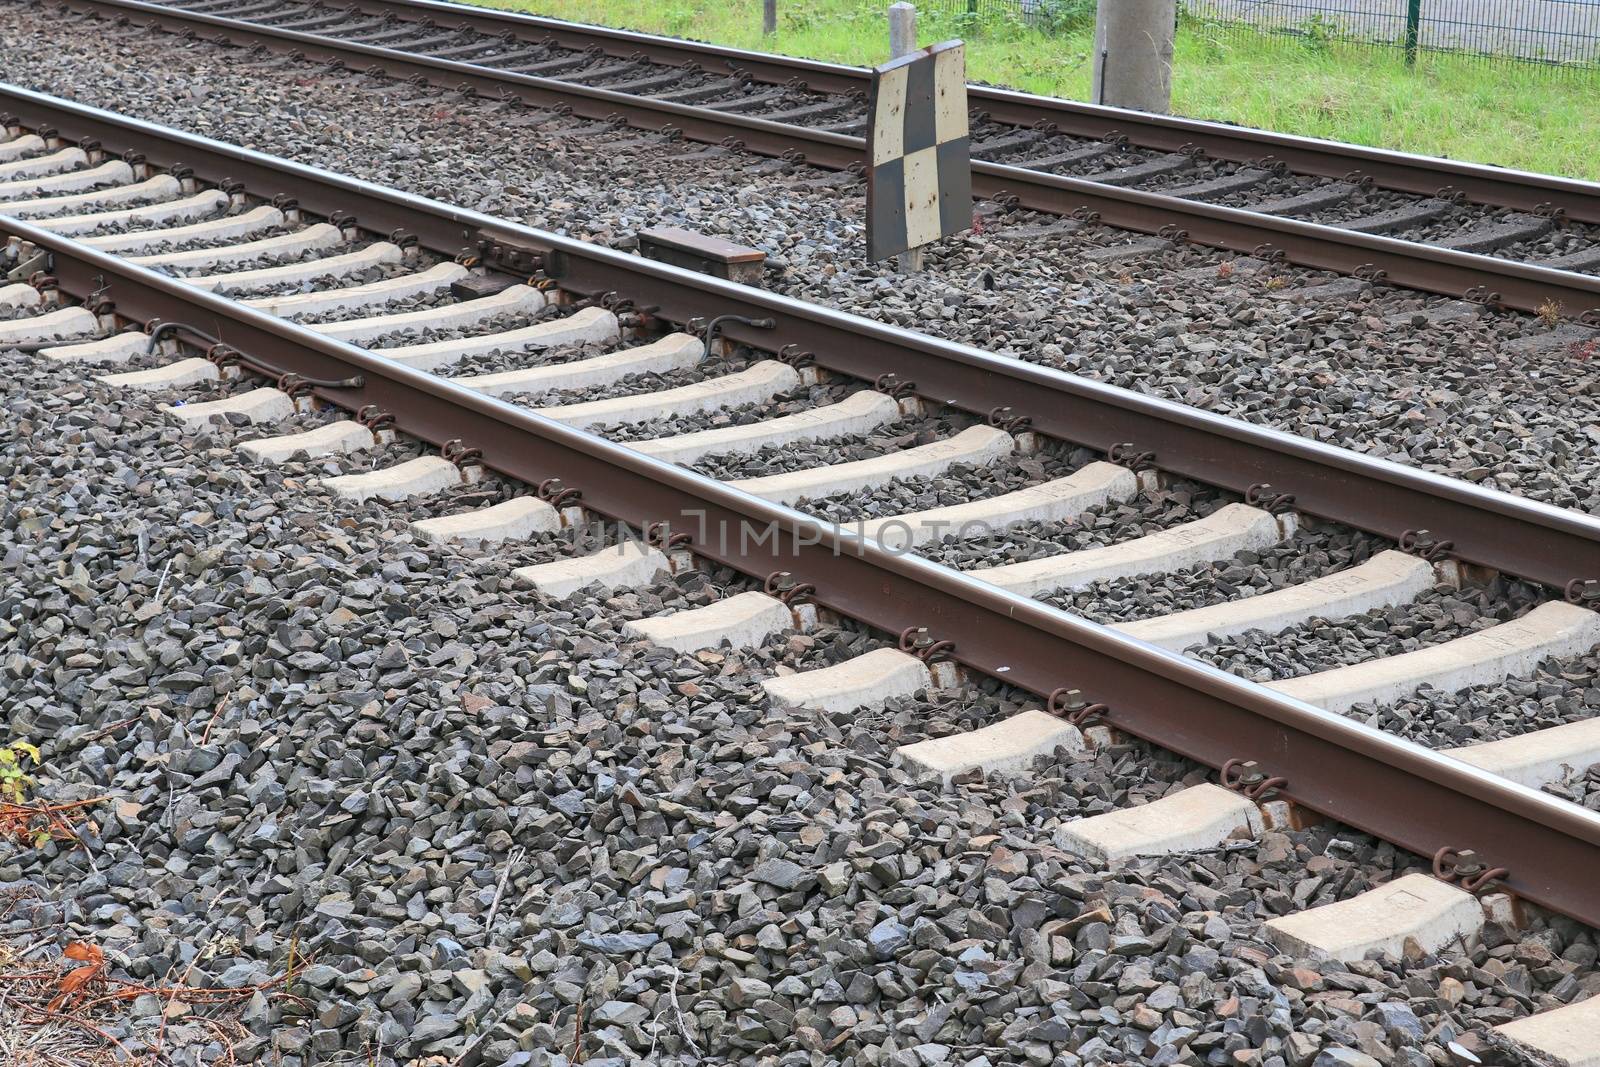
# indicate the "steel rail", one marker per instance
pixel 1396 790
pixel 1487 279
pixel 1554 546
pixel 1401 171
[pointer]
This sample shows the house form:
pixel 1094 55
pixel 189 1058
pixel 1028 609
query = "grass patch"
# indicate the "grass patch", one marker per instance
pixel 1508 114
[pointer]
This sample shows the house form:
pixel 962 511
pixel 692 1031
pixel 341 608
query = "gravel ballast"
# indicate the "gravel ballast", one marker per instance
pixel 319 737
pixel 474 821
pixel 1502 399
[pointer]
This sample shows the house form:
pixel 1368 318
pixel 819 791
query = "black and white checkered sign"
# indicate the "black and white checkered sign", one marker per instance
pixel 919 178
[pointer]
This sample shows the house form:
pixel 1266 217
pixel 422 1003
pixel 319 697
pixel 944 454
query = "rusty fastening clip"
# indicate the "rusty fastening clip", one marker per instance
pixel 1590 317
pixel 786 588
pixel 1463 867
pixel 923 645
pixel 1129 455
pixel 1550 211
pixel 1583 591
pixel 1070 705
pixel 459 453
pixel 1423 543
pixel 1369 273
pixel 558 496
pixel 223 355
pixel 794 357
pixel 1246 778
pixel 671 132
pixel 1045 126
pixel 1481 294
pixel 1086 215
pixel 660 534
pixel 896 386
pixel 1002 418
pixel 1262 495
pixel 374 418
pixel 793 155
pixel 1006 199
pixel 1193 151
pixel 1268 254
pixel 1171 232
pixel 731 143
pixel 293 384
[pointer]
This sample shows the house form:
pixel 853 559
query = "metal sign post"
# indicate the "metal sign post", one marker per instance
pixel 919 171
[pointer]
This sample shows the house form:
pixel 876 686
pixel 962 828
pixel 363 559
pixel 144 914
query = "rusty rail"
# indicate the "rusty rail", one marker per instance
pixel 1487 279
pixel 1415 798
pixel 1554 546
pixel 1401 171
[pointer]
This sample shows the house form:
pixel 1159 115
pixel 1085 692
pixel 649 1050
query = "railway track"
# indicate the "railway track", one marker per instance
pixel 328 310
pixel 1498 237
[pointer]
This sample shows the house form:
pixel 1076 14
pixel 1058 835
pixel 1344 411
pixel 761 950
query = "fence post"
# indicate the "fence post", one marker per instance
pixel 1413 30
pixel 1133 53
pixel 769 17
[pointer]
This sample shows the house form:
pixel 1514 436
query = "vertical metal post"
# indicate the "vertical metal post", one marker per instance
pixel 769 17
pixel 1413 30
pixel 903 41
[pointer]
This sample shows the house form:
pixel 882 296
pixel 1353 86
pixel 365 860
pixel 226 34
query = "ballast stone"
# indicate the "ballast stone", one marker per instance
pixel 1003 748
pixel 1416 907
pixel 868 680
pixel 1200 817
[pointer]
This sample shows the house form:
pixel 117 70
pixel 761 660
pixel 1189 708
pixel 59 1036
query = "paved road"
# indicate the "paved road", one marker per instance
pixel 1566 30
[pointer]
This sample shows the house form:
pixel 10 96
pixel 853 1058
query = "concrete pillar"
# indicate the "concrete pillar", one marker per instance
pixel 1133 54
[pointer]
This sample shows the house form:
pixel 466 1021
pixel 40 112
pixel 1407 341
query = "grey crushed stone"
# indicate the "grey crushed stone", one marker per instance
pixel 383 723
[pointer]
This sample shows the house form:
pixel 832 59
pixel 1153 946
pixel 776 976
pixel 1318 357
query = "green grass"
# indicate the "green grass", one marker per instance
pixel 1509 114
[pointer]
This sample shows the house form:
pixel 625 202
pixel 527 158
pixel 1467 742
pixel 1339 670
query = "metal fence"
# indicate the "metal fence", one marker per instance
pixel 1545 31
pixel 1557 32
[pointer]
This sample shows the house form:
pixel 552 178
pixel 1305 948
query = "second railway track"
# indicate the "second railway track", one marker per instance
pixel 786 415
pixel 1498 237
